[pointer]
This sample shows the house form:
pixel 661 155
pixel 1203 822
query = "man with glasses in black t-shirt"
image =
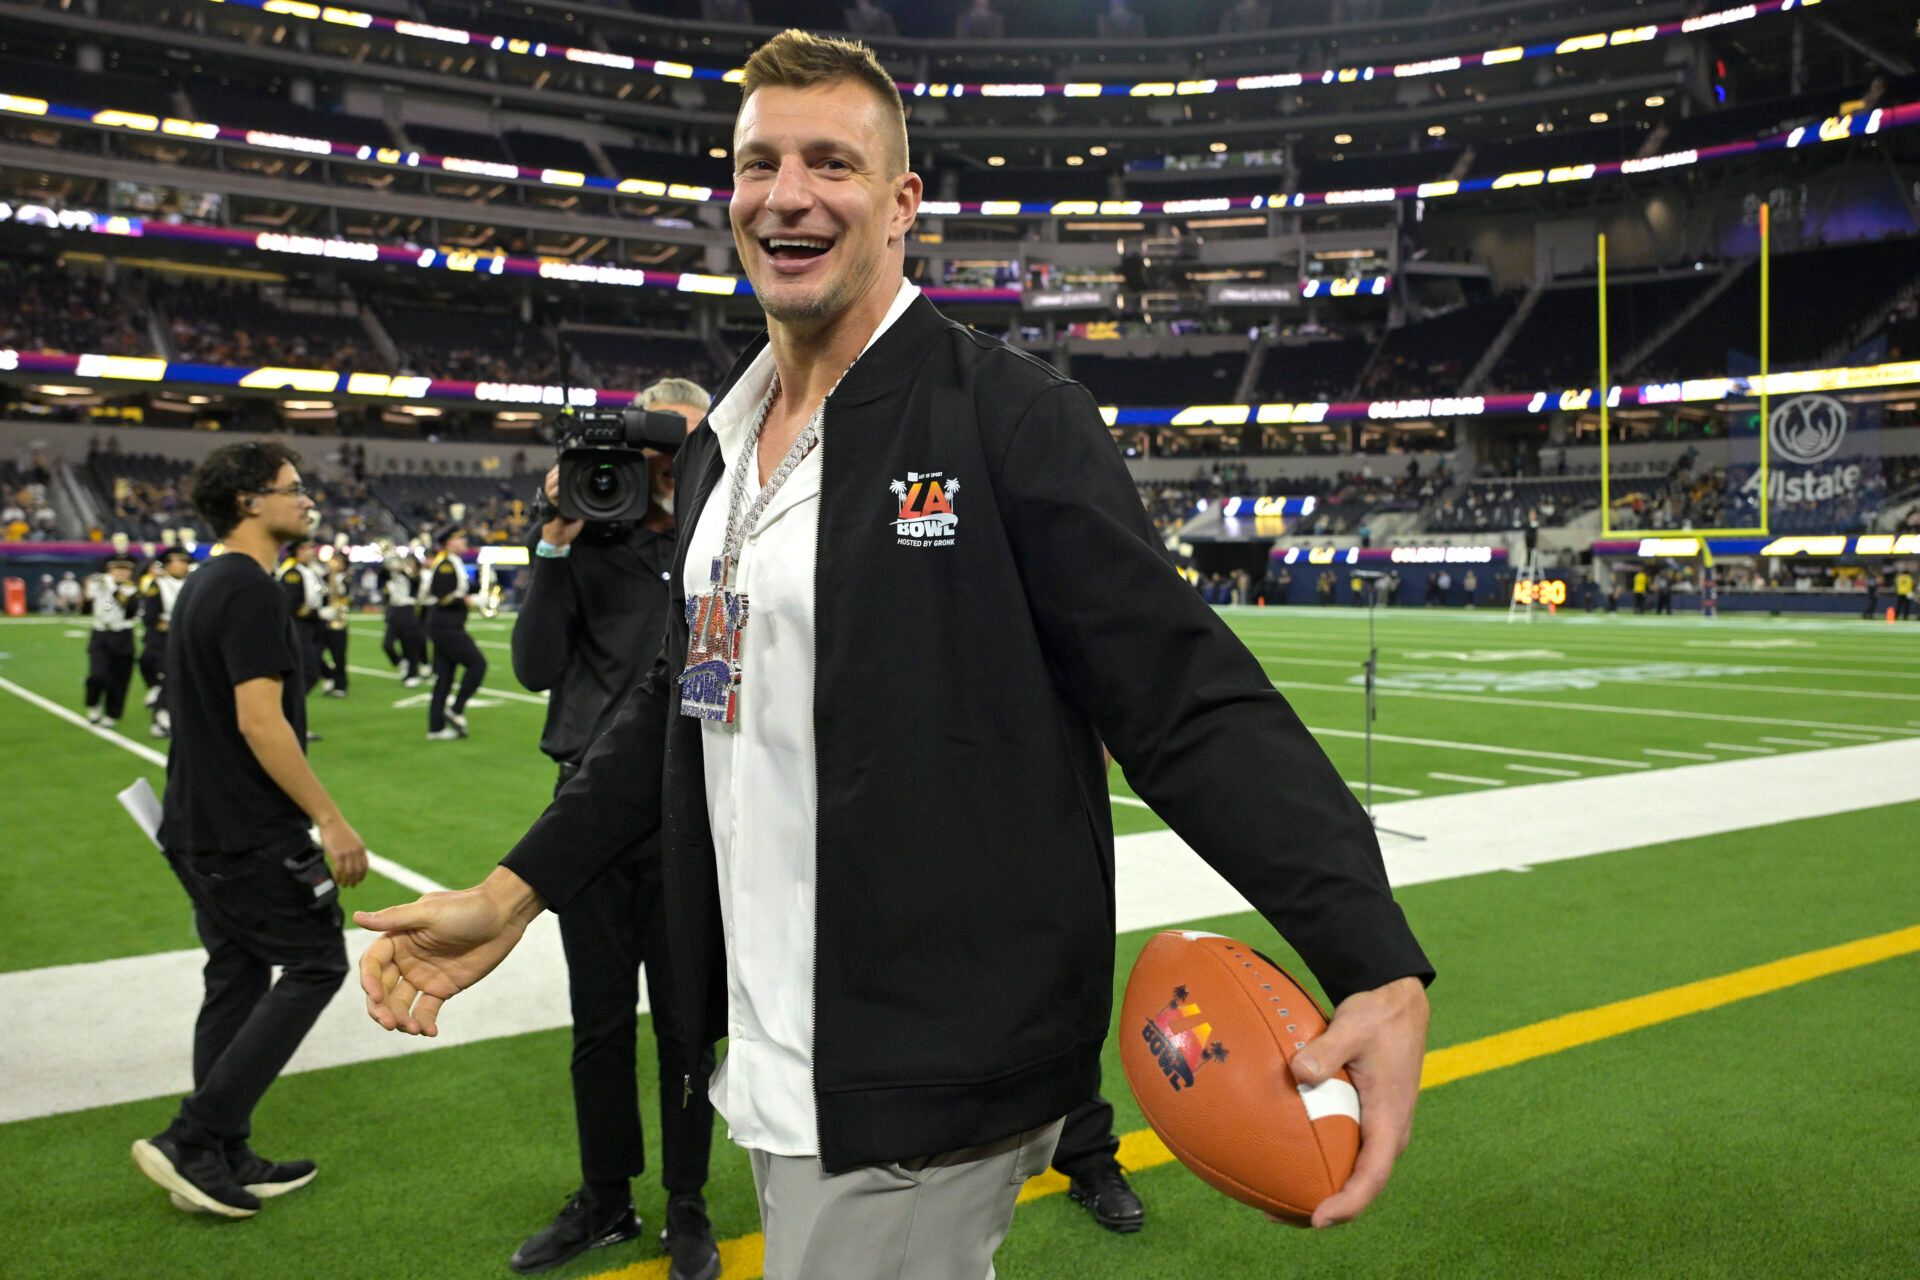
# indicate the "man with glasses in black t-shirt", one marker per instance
pixel 240 796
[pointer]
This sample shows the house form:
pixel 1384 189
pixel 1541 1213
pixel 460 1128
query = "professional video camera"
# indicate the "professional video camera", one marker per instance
pixel 603 471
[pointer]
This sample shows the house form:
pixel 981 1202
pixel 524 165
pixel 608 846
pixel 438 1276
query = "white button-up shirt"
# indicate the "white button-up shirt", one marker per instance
pixel 761 797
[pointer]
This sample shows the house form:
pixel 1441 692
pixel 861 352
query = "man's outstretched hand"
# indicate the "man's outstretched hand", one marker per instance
pixel 437 947
pixel 1380 1037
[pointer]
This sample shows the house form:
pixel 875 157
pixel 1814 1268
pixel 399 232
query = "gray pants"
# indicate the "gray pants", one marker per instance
pixel 937 1218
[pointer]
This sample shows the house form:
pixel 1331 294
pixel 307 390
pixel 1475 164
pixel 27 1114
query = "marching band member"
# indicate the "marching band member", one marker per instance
pixel 445 600
pixel 112 596
pixel 334 616
pixel 306 592
pixel 158 591
pixel 404 643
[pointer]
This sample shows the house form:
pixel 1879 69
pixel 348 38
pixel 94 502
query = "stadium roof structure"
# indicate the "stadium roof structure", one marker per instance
pixel 1466 59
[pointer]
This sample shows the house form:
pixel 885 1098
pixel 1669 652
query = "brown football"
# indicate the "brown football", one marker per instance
pixel 1207 1029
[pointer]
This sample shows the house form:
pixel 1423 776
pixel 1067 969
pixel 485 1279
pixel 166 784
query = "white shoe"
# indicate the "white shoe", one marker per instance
pixel 444 735
pixel 158 730
pixel 93 715
pixel 411 682
pixel 336 693
pixel 153 696
pixel 107 722
pixel 326 684
pixel 458 720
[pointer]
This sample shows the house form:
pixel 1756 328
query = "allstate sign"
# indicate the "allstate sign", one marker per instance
pixel 1802 433
pixel 1807 430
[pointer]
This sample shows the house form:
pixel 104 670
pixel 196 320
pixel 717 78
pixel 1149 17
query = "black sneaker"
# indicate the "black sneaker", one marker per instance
pixel 197 1175
pixel 582 1225
pixel 267 1178
pixel 688 1240
pixel 1109 1199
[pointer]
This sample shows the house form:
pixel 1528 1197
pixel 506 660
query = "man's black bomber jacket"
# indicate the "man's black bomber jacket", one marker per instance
pixel 966 677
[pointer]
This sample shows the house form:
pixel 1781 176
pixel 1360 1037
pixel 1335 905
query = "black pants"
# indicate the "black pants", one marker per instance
pixel 309 631
pixel 1087 1143
pixel 333 656
pixel 252 915
pixel 109 671
pixel 153 660
pixel 405 640
pixel 609 930
pixel 452 648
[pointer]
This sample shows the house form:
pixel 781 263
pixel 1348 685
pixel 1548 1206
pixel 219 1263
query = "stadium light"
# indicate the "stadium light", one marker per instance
pixel 1832 129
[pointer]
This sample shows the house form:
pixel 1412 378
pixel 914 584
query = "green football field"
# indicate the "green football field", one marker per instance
pixel 1650 846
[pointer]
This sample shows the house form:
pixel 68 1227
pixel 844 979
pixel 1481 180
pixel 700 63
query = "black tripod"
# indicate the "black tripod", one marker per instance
pixel 1372 668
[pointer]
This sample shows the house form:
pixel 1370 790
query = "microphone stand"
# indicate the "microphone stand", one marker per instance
pixel 1372 668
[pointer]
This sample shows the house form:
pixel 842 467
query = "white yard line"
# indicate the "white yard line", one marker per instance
pixel 1796 742
pixel 140 1010
pixel 1663 713
pixel 1856 737
pixel 1736 684
pixel 1482 747
pixel 1675 755
pixel 387 867
pixel 1729 746
pixel 1540 768
pixel 537 699
pixel 1129 801
pixel 1360 787
pixel 1469 779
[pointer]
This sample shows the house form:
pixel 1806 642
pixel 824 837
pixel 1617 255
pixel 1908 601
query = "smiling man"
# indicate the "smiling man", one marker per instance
pixel 915 594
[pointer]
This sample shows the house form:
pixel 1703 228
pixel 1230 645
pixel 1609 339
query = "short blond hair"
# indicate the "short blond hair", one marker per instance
pixel 675 391
pixel 797 59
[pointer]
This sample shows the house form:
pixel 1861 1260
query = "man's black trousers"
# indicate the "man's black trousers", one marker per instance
pixel 1087 1144
pixel 613 926
pixel 405 640
pixel 252 915
pixel 452 647
pixel 109 670
pixel 310 630
pixel 333 656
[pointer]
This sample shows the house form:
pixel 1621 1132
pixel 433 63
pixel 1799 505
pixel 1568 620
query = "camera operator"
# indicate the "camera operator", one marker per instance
pixel 591 622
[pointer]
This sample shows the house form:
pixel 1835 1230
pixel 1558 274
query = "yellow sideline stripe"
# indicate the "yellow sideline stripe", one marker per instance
pixel 744 1258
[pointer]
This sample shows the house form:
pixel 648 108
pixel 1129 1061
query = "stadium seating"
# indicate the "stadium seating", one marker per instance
pixel 629 361
pixel 232 324
pixel 1319 370
pixel 1435 352
pixel 251 109
pixel 1490 506
pixel 1559 345
pixel 1159 379
pixel 470 346
pixel 45 308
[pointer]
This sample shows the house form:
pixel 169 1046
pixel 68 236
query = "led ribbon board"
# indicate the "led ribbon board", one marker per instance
pixel 466 261
pixel 1832 129
pixel 325 381
pixel 1683 546
pixel 1417 555
pixel 1329 77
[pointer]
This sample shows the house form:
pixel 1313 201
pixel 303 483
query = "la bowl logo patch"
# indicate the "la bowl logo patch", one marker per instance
pixel 1180 1038
pixel 926 517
